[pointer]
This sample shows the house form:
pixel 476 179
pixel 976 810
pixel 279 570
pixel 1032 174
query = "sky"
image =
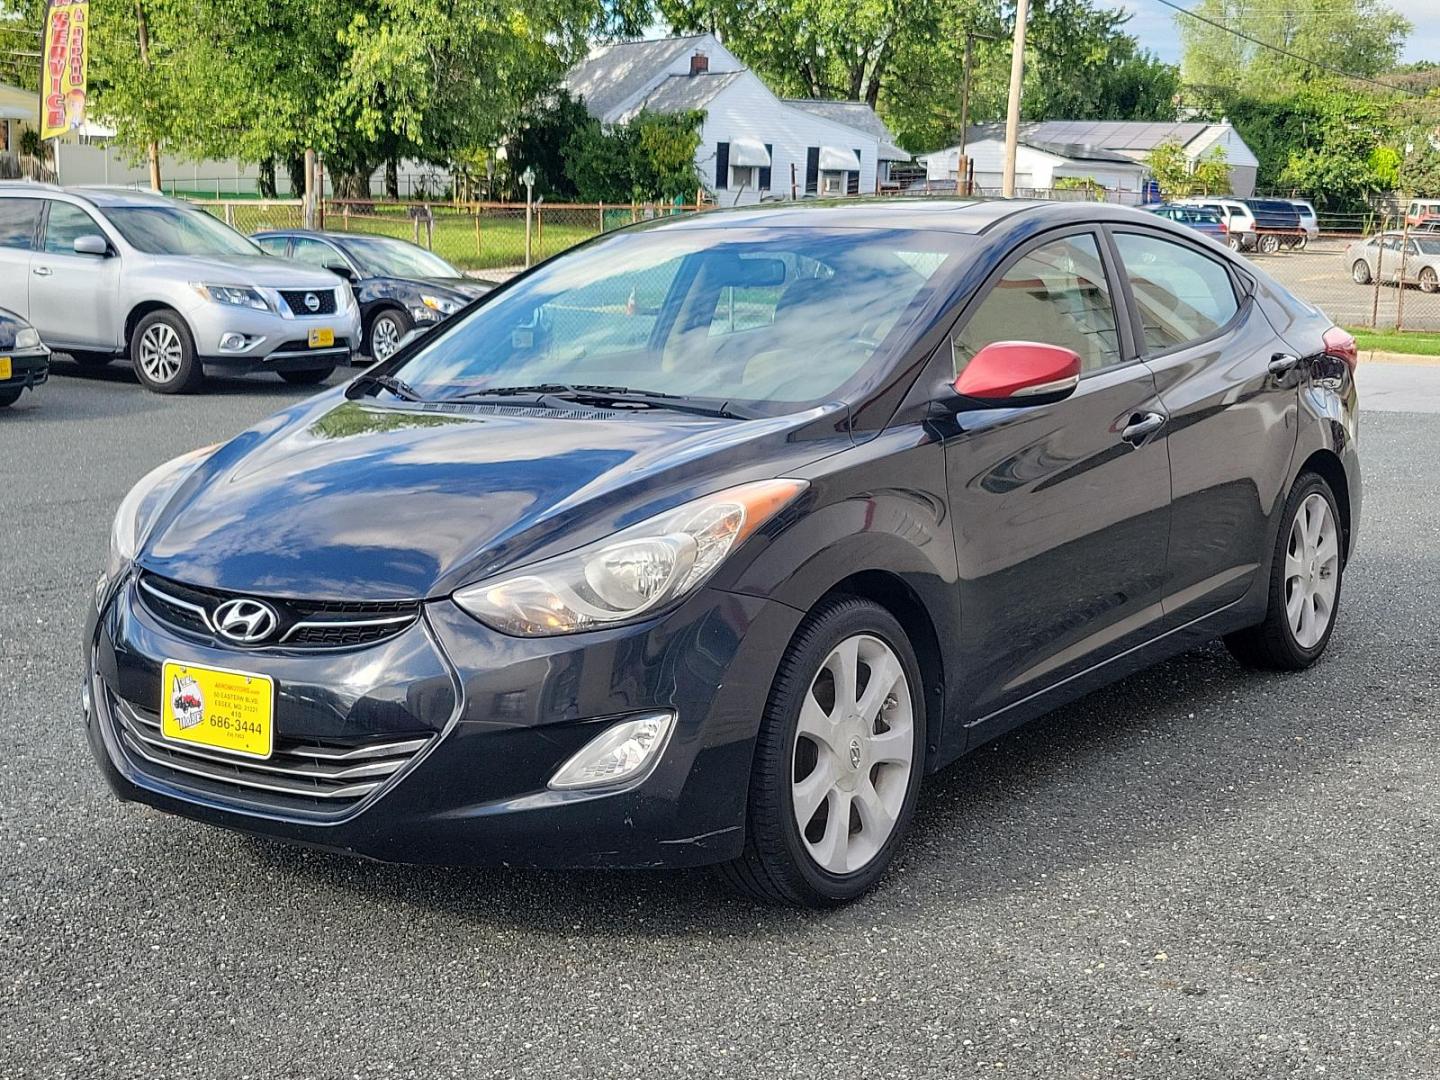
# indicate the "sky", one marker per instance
pixel 1154 24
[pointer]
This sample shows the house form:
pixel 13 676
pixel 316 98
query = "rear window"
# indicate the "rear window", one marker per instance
pixel 18 218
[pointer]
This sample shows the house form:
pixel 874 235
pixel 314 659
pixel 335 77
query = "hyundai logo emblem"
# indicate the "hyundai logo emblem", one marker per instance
pixel 245 621
pixel 312 302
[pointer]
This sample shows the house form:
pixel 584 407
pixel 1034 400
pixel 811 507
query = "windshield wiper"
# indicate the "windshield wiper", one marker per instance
pixel 588 394
pixel 399 387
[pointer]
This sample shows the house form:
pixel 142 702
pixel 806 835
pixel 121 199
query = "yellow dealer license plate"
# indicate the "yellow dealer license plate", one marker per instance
pixel 224 710
pixel 6 368
pixel 322 337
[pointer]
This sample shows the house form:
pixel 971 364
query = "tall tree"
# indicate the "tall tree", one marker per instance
pixel 1361 37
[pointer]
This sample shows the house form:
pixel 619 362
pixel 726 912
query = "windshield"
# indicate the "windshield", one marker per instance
pixel 383 257
pixel 750 315
pixel 167 230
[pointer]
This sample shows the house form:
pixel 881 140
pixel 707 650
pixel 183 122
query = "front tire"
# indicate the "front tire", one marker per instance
pixel 163 353
pixel 308 377
pixel 387 330
pixel 1360 272
pixel 1428 281
pixel 1305 580
pixel 837 762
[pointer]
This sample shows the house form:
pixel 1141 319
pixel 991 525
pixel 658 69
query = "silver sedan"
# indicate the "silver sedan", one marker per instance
pixel 1396 258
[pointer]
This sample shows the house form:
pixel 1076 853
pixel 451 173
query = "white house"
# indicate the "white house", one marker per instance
pixel 752 143
pixel 1112 152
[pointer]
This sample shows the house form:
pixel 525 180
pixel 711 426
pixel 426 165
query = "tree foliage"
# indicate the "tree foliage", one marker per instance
pixel 650 157
pixel 1170 168
pixel 1362 37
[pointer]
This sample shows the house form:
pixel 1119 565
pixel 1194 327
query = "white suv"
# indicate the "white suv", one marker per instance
pixel 102 272
pixel 1238 219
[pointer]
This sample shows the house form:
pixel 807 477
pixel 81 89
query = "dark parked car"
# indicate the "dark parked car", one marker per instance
pixel 1277 224
pixel 704 541
pixel 1200 218
pixel 399 285
pixel 24 361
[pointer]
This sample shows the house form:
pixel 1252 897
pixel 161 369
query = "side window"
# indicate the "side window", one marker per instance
pixel 1056 294
pixel 65 225
pixel 18 218
pixel 273 245
pixel 314 252
pixel 1182 295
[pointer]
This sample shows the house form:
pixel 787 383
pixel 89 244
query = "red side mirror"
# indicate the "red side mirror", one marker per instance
pixel 1009 374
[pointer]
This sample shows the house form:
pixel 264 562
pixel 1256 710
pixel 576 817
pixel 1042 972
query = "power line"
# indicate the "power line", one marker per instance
pixel 1287 52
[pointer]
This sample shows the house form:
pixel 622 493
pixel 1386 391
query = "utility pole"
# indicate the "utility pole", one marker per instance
pixel 1012 114
pixel 970 36
pixel 142 34
pixel 307 212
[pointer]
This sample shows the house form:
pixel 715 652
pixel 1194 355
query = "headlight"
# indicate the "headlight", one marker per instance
pixel 29 338
pixel 137 511
pixel 234 295
pixel 440 304
pixel 631 574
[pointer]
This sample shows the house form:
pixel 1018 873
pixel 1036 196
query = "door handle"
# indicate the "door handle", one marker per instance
pixel 41 271
pixel 1141 426
pixel 1282 363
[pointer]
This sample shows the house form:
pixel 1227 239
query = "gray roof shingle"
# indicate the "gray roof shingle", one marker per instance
pixel 612 74
pixel 855 114
pixel 681 93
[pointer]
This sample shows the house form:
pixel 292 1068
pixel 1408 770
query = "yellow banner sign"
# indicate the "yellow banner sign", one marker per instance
pixel 62 82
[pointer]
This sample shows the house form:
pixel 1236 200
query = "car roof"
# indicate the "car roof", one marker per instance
pixel 901 212
pixel 97 195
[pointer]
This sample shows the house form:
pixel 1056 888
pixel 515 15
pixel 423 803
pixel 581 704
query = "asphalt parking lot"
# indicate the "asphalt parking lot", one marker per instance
pixel 1321 274
pixel 1196 873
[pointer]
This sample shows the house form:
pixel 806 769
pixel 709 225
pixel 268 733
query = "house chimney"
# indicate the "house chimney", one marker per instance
pixel 699 63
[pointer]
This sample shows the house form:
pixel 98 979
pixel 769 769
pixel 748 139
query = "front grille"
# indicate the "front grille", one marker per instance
pixel 295 300
pixel 306 775
pixel 301 623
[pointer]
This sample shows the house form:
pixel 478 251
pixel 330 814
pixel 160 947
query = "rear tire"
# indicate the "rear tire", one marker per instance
pixel 848 761
pixel 1305 579
pixel 1360 272
pixel 163 353
pixel 1235 242
pixel 1269 244
pixel 309 376
pixel 9 397
pixel 1428 281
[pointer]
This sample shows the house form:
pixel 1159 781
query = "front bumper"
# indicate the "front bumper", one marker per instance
pixel 271 341
pixel 26 369
pixel 504 714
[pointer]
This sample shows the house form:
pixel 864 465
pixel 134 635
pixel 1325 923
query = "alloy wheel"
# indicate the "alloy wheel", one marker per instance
pixel 1360 272
pixel 384 338
pixel 1428 281
pixel 854 745
pixel 160 352
pixel 1312 571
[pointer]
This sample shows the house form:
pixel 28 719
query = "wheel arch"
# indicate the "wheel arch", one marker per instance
pixel 149 307
pixel 1327 465
pixel 893 593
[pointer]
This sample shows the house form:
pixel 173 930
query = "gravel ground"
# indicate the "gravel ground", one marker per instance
pixel 1196 873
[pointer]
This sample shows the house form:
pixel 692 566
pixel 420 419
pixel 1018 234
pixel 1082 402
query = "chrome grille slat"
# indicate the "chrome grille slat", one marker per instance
pixel 234 775
pixel 151 736
pixel 334 775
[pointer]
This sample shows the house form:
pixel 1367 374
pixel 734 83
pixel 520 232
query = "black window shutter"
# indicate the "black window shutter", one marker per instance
pixel 722 166
pixel 812 170
pixel 765 170
pixel 852 180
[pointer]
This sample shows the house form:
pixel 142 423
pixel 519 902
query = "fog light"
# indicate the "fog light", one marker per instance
pixel 624 751
pixel 233 342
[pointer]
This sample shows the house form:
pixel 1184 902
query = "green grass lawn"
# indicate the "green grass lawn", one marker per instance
pixel 1414 343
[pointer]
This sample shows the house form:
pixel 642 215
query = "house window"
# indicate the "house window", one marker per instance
pixel 743 176
pixel 832 182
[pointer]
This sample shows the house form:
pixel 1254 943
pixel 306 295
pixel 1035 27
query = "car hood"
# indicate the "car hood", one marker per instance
pixel 242 270
pixel 462 289
pixel 357 500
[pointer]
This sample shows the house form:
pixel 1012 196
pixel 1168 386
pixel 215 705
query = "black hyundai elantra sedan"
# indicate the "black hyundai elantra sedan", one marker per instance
pixel 705 541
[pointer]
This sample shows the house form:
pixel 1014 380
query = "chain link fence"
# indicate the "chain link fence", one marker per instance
pixel 470 236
